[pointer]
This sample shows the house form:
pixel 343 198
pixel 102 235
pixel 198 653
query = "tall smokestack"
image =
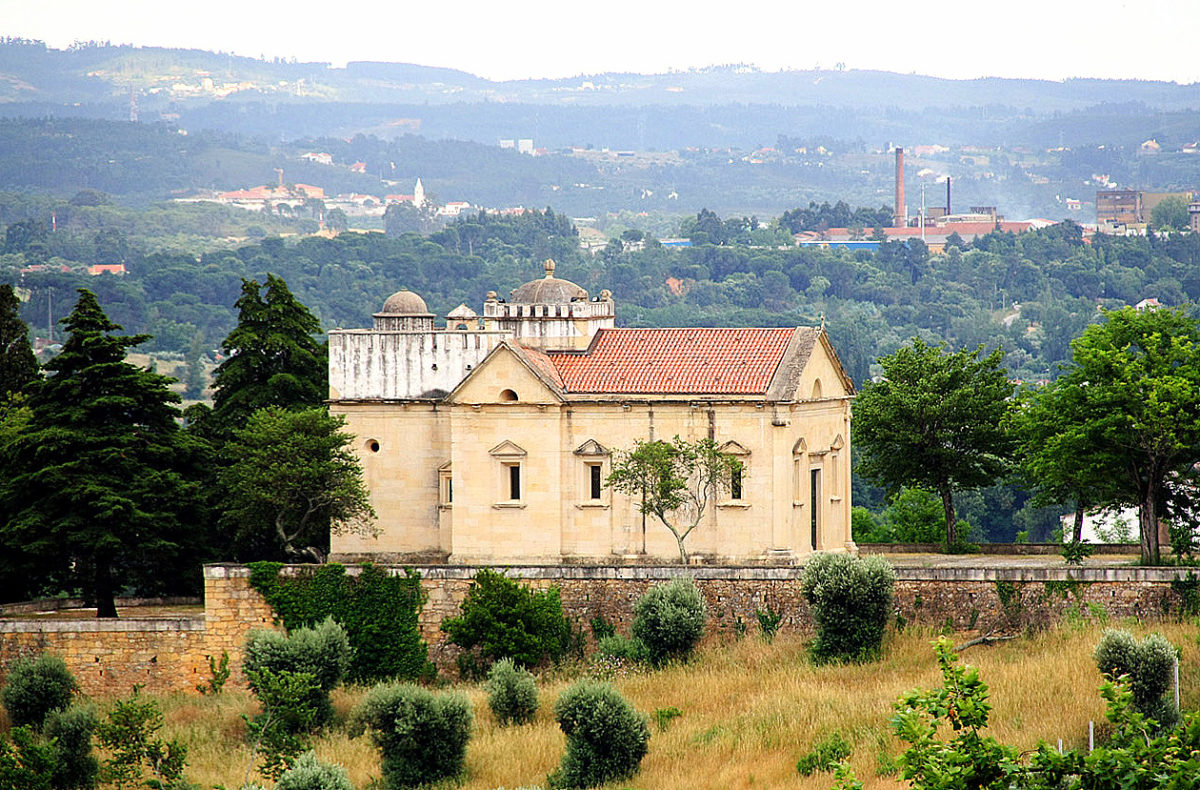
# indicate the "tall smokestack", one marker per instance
pixel 901 213
pixel 948 211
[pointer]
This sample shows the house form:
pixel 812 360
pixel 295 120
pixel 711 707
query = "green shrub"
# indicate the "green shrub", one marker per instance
pixel 1150 667
pixel 624 648
pixel 379 611
pixel 70 734
pixel 503 619
pixel 768 623
pixel 825 755
pixel 421 736
pixel 512 693
pixel 293 705
pixel 36 686
pixel 322 652
pixel 851 601
pixel 308 773
pixel 606 737
pixel 669 620
pixel 137 756
pixel 1075 552
pixel 25 764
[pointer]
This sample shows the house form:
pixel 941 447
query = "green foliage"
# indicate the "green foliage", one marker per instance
pixel 1171 213
pixel 219 674
pixel 377 609
pixel 669 620
pixel 308 773
pixel 826 755
pixel 272 357
pixel 664 716
pixel 602 628
pixel 934 420
pixel 851 601
pixel 293 705
pixel 422 737
pixel 1148 665
pixel 606 737
pixel 1187 588
pixel 967 758
pixel 1130 404
pixel 768 623
pixel 100 480
pixel 322 652
pixel 18 365
pixel 623 648
pixel 1076 551
pixel 503 619
pixel 915 515
pixel 137 756
pixel 24 763
pixel 36 686
pixel 675 481
pixel 866 528
pixel 69 733
pixel 512 693
pixel 292 478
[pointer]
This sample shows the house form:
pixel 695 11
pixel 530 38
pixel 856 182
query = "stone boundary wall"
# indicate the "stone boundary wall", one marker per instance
pixel 165 655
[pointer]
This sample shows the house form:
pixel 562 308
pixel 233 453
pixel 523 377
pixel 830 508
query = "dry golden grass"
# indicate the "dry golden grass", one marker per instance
pixel 750 710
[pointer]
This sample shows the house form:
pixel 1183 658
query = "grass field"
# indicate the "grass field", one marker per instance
pixel 750 710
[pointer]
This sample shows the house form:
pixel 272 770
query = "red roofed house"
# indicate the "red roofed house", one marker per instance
pixel 488 439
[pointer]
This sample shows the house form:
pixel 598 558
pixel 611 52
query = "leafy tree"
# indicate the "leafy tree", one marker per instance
pixel 934 421
pixel 1170 214
pixel 18 365
pixel 273 356
pixel 293 472
pixel 98 481
pixel 675 481
pixel 137 756
pixel 1132 406
pixel 1058 454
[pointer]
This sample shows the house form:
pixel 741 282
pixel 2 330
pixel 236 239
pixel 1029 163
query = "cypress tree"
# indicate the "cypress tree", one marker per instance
pixel 18 365
pixel 99 487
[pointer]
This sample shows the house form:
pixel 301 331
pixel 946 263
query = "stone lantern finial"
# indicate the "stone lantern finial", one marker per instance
pixel 549 267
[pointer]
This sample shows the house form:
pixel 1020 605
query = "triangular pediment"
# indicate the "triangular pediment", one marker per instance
pixel 733 448
pixel 444 467
pixel 838 443
pixel 507 449
pixel 800 447
pixel 592 447
pixel 505 376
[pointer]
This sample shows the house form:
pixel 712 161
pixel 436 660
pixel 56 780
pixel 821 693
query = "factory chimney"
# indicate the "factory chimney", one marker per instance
pixel 948 211
pixel 901 213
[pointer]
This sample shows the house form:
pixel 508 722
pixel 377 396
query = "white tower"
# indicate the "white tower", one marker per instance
pixel 418 194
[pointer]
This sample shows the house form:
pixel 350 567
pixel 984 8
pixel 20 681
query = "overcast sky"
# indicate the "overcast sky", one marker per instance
pixel 1048 39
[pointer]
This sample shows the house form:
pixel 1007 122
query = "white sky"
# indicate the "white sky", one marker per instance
pixel 506 39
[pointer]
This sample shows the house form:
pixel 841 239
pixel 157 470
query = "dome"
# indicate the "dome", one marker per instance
pixel 548 290
pixel 405 302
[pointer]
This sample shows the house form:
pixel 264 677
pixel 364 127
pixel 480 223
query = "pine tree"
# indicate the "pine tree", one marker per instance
pixel 18 365
pixel 274 358
pixel 99 488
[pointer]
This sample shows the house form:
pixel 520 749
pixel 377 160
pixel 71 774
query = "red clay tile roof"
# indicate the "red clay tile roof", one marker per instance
pixel 701 361
pixel 542 364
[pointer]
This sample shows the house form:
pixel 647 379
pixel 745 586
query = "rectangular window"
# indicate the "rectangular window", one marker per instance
pixel 514 482
pixel 735 484
pixel 449 490
pixel 815 504
pixel 594 479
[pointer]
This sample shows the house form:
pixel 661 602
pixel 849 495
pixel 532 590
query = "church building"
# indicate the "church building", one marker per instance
pixel 489 438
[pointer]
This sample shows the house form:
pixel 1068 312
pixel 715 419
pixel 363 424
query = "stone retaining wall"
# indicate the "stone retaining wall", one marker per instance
pixel 110 656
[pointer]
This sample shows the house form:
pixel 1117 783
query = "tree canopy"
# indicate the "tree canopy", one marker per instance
pixel 97 494
pixel 18 365
pixel 274 358
pixel 1129 404
pixel 291 477
pixel 934 421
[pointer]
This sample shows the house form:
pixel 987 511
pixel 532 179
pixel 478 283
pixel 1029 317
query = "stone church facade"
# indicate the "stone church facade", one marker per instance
pixel 488 439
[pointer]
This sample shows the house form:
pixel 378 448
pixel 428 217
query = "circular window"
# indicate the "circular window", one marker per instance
pixel 373 445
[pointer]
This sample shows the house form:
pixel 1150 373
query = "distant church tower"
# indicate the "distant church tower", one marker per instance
pixel 418 194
